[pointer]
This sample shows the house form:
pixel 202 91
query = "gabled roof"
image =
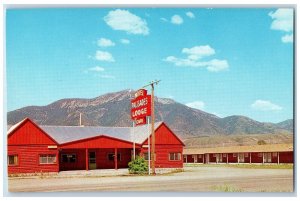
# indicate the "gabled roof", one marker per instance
pixel 65 134
pixel 13 127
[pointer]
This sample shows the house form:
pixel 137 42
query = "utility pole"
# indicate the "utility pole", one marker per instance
pixel 152 125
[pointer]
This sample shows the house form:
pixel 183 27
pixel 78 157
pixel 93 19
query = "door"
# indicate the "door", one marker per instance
pixel 241 157
pixel 267 157
pixel 92 160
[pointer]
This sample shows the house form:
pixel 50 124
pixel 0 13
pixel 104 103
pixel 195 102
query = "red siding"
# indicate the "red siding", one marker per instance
pixel 255 158
pixel 166 142
pixel 28 141
pixel 286 157
pixel 28 157
pixel 190 158
pixel 98 142
pixel 80 160
pixel 29 133
pixel 162 156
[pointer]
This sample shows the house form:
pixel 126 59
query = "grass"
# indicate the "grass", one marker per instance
pixel 226 188
pixel 248 166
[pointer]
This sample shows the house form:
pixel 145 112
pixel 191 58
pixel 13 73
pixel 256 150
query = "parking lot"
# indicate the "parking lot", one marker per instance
pixel 197 179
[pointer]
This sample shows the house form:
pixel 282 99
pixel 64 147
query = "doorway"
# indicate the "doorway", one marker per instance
pixel 92 160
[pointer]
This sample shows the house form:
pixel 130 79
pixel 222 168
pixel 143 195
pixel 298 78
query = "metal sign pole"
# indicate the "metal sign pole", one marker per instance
pixel 148 124
pixel 133 140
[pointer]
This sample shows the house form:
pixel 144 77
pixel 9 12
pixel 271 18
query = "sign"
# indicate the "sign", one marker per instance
pixel 140 107
pixel 140 92
pixel 140 121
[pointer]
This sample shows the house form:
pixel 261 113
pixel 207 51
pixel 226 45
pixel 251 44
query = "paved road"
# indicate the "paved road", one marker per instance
pixel 199 179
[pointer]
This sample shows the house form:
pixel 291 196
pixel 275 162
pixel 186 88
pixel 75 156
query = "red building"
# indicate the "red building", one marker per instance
pixel 271 153
pixel 33 148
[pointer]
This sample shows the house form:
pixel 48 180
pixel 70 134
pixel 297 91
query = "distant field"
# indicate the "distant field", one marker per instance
pixel 237 140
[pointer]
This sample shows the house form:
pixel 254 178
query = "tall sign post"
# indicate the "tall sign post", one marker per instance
pixel 140 110
pixel 152 125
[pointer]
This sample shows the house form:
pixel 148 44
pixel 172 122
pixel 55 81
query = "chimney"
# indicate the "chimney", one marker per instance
pixel 80 120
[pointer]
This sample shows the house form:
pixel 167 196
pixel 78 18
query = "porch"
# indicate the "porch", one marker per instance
pixel 92 159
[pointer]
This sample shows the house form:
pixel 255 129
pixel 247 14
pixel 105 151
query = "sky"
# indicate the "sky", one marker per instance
pixel 225 61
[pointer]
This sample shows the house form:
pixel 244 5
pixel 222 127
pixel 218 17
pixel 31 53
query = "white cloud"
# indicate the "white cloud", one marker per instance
pixel 190 14
pixel 264 105
pixel 194 58
pixel 123 20
pixel 163 19
pixel 216 65
pixel 104 56
pixel 176 19
pixel 104 42
pixel 96 69
pixel 196 104
pixel 198 52
pixel 125 41
pixel 282 19
pixel 288 38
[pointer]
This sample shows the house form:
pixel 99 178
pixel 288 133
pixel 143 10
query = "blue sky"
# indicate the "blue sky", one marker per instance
pixel 222 61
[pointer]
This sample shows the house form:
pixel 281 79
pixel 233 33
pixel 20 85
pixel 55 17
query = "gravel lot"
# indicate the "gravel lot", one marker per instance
pixel 199 179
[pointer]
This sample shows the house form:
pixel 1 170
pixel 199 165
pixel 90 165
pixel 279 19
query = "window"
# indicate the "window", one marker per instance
pixel 246 154
pixel 111 157
pixel 47 159
pixel 214 155
pixel 13 160
pixel 234 155
pixel 200 156
pixel 174 156
pixel 274 154
pixel 146 156
pixel 68 158
pixel 224 155
pixel 259 154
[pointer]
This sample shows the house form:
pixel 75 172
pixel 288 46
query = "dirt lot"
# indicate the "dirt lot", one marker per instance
pixel 199 179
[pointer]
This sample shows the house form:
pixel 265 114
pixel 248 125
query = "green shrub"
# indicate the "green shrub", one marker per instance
pixel 138 166
pixel 261 142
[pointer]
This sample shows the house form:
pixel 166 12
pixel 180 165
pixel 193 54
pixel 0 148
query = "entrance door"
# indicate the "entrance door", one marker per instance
pixel 241 157
pixel 267 158
pixel 92 160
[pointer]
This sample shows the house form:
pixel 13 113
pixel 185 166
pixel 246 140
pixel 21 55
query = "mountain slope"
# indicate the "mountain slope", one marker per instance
pixel 113 109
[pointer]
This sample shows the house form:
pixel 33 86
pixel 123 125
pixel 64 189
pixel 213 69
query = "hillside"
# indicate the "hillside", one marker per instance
pixel 113 109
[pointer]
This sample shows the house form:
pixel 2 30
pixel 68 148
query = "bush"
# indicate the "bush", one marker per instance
pixel 261 142
pixel 138 166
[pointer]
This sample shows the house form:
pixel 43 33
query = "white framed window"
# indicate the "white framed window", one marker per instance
pixel 13 160
pixel 47 158
pixel 175 156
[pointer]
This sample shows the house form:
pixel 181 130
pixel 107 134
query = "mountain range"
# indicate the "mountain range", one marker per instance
pixel 113 109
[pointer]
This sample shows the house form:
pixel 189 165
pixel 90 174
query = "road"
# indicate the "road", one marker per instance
pixel 198 179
